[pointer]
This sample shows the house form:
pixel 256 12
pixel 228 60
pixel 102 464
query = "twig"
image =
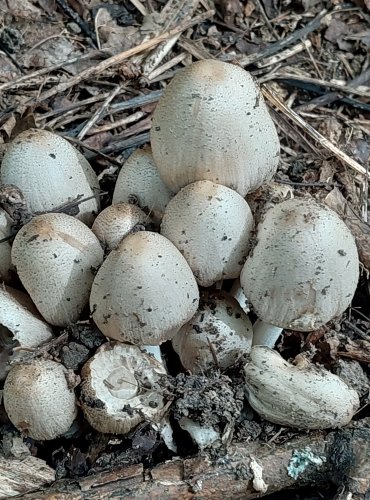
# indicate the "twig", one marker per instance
pixel 138 140
pixel 325 143
pixel 168 65
pixel 98 113
pixel 93 150
pixel 120 123
pixel 283 55
pixel 120 58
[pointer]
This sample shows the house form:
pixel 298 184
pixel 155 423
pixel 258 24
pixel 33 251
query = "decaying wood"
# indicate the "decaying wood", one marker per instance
pixel 19 475
pixel 340 457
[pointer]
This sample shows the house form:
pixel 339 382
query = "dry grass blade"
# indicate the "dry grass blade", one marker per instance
pixel 313 133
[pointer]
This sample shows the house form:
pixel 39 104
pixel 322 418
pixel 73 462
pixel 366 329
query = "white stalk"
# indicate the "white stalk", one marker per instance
pixel 265 334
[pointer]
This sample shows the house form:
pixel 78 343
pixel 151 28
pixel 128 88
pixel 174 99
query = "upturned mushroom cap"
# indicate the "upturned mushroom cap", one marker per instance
pixel 304 396
pixel 50 172
pixel 5 247
pixel 144 291
pixel 20 325
pixel 304 269
pixel 217 335
pixel 139 182
pixel 121 388
pixel 55 255
pixel 211 226
pixel 38 400
pixel 115 222
pixel 212 123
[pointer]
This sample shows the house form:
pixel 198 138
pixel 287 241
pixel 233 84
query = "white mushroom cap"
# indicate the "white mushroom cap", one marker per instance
pixel 305 396
pixel 121 388
pixel 139 181
pixel 55 255
pixel 115 222
pixel 144 291
pixel 217 335
pixel 212 123
pixel 20 324
pixel 5 247
pixel 38 400
pixel 304 269
pixel 50 172
pixel 211 225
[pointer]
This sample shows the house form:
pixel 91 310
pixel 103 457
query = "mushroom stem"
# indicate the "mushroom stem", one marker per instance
pixel 265 334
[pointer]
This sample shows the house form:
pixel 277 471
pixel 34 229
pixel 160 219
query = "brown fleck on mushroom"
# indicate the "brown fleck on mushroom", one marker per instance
pixel 121 387
pixel 38 400
pixel 55 255
pixel 212 123
pixel 144 291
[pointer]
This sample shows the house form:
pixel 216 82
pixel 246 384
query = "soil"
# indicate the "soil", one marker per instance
pixel 64 67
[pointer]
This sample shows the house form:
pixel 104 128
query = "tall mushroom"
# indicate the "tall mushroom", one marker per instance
pixel 303 270
pixel 212 123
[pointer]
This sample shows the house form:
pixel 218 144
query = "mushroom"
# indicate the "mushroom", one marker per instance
pixel 211 225
pixel 144 291
pixel 217 335
pixel 139 182
pixel 38 400
pixel 303 270
pixel 121 387
pixel 55 255
pixel 5 247
pixel 212 123
pixel 50 172
pixel 115 222
pixel 20 326
pixel 305 396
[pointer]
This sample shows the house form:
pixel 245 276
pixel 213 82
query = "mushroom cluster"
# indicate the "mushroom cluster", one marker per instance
pixel 156 264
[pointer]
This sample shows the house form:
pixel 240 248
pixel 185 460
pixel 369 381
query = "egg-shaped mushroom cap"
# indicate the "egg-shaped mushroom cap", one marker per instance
pixel 211 225
pixel 115 222
pixel 50 172
pixel 55 256
pixel 121 387
pixel 38 400
pixel 139 182
pixel 144 291
pixel 304 269
pixel 5 247
pixel 212 123
pixel 217 335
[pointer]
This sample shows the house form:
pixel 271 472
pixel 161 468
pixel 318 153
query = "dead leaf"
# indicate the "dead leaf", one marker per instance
pixel 117 38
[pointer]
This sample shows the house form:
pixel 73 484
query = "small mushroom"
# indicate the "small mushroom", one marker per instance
pixel 305 396
pixel 55 255
pixel 144 291
pixel 303 270
pixel 20 326
pixel 217 335
pixel 121 387
pixel 5 247
pixel 212 123
pixel 115 222
pixel 211 225
pixel 38 400
pixel 139 182
pixel 50 172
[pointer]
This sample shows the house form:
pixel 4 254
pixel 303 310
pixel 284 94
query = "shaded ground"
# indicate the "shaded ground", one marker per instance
pixel 93 72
